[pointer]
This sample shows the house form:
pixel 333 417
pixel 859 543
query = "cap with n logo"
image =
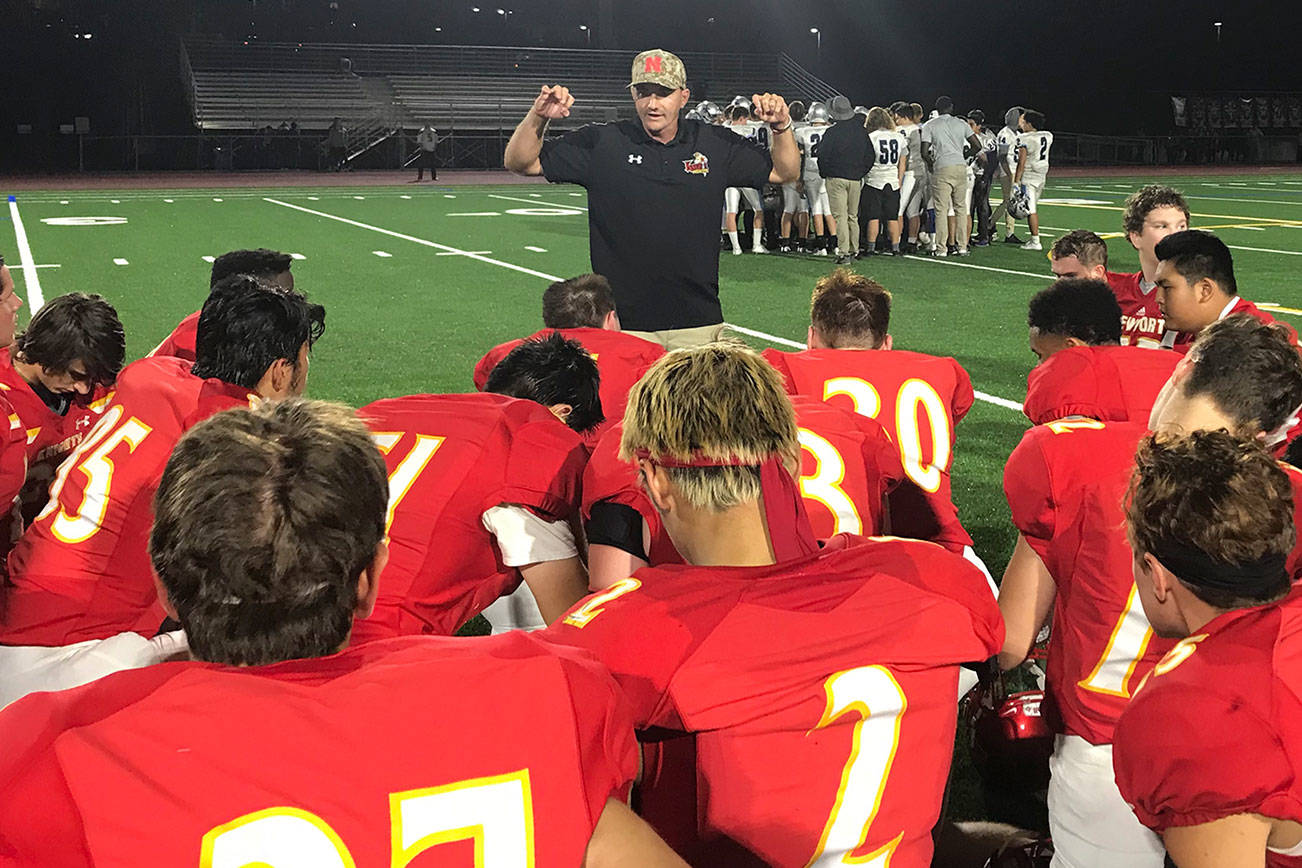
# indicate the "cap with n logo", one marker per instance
pixel 658 66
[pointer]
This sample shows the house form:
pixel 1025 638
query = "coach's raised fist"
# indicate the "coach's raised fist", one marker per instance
pixel 553 102
pixel 771 108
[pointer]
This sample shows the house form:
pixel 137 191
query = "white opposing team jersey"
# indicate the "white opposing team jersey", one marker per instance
pixel 887 146
pixel 756 131
pixel 987 140
pixel 913 135
pixel 1037 145
pixel 807 139
pixel 1006 143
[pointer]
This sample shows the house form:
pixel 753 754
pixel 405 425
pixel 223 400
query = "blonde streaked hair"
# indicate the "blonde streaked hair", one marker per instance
pixel 720 401
pixel 879 119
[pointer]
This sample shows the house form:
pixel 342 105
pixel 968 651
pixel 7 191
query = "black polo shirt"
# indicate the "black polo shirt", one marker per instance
pixel 654 213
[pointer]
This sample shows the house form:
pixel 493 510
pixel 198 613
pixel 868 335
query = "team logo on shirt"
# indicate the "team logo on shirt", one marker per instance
pixel 699 164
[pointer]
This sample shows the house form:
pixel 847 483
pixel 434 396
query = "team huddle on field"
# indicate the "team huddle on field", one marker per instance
pixel 734 605
pixel 924 186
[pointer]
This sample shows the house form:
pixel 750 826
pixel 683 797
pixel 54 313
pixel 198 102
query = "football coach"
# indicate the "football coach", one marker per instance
pixel 655 193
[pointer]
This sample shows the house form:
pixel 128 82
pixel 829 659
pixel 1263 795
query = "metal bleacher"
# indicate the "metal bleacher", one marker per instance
pixel 238 86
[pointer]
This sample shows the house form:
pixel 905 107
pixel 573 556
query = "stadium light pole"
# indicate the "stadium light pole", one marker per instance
pixel 1217 25
pixel 818 48
pixel 587 32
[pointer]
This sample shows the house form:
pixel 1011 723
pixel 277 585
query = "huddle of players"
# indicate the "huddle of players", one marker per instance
pixel 795 701
pixel 899 207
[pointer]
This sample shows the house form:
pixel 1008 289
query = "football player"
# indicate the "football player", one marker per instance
pixel 1089 400
pixel 743 125
pixel 270 265
pixel 1196 287
pixel 483 491
pixel 980 172
pixel 805 753
pixel 1032 170
pixel 820 213
pixel 794 222
pixel 1080 254
pixel 583 309
pixel 1006 150
pixel 1075 334
pixel 81 571
pixel 914 185
pixel 281 744
pixel 1209 752
pixel 1242 375
pixel 917 398
pixel 56 377
pixel 882 185
pixel 848 466
pixel 1151 214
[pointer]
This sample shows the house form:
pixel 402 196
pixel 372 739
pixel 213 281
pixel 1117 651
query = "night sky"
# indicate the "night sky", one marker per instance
pixel 1090 65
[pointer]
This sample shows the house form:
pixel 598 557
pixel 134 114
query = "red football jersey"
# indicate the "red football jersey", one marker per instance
pixel 1142 323
pixel 13 473
pixel 848 466
pixel 1217 728
pixel 621 360
pixel 919 399
pixel 1109 383
pixel 413 748
pixel 1065 484
pixel 606 478
pixel 795 678
pixel 82 570
pixel 1181 341
pixel 180 343
pixel 45 427
pixel 451 458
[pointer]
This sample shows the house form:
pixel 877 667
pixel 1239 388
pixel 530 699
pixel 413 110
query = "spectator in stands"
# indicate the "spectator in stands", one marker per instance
pixel 655 193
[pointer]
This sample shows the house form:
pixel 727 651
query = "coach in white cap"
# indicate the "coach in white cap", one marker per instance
pixel 655 192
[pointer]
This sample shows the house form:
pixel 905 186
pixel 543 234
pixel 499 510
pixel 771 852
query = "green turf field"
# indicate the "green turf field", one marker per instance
pixel 465 267
pixel 418 281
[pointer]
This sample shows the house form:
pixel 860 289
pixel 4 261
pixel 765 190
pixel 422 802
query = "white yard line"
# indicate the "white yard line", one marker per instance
pixel 948 260
pixel 536 202
pixel 31 283
pixel 796 345
pixel 1265 250
pixel 414 240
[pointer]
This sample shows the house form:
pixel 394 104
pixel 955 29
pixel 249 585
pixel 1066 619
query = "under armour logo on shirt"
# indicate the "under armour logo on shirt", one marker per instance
pixel 635 158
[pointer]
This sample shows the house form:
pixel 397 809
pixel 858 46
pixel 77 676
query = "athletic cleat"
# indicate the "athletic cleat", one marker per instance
pixel 736 251
pixel 1033 244
pixel 844 259
pixel 822 251
pixel 897 251
pixel 951 249
pixel 1012 239
pixel 962 251
pixel 759 250
pixel 981 242
pixel 866 252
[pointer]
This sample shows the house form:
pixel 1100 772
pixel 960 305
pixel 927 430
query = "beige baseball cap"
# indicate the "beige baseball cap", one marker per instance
pixel 658 66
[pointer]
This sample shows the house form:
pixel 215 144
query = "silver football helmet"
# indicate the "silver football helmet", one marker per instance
pixel 818 114
pixel 708 111
pixel 740 100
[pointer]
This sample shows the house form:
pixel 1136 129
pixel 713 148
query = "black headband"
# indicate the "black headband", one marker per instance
pixel 1260 578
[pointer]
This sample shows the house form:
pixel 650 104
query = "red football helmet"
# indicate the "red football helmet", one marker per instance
pixel 1011 742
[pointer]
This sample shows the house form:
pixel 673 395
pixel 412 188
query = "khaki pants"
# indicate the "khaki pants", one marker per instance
pixel 843 197
pixel 949 190
pixel 679 339
pixel 1006 184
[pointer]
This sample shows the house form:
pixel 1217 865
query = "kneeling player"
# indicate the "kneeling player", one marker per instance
pixel 268 539
pixel 1209 752
pixel 484 488
pixel 794 665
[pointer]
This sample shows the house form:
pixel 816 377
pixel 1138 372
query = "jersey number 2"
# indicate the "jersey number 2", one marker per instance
pixel 874 694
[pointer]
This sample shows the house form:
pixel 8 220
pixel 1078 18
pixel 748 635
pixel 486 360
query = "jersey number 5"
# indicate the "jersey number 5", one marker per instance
pixel 497 812
pixel 92 460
